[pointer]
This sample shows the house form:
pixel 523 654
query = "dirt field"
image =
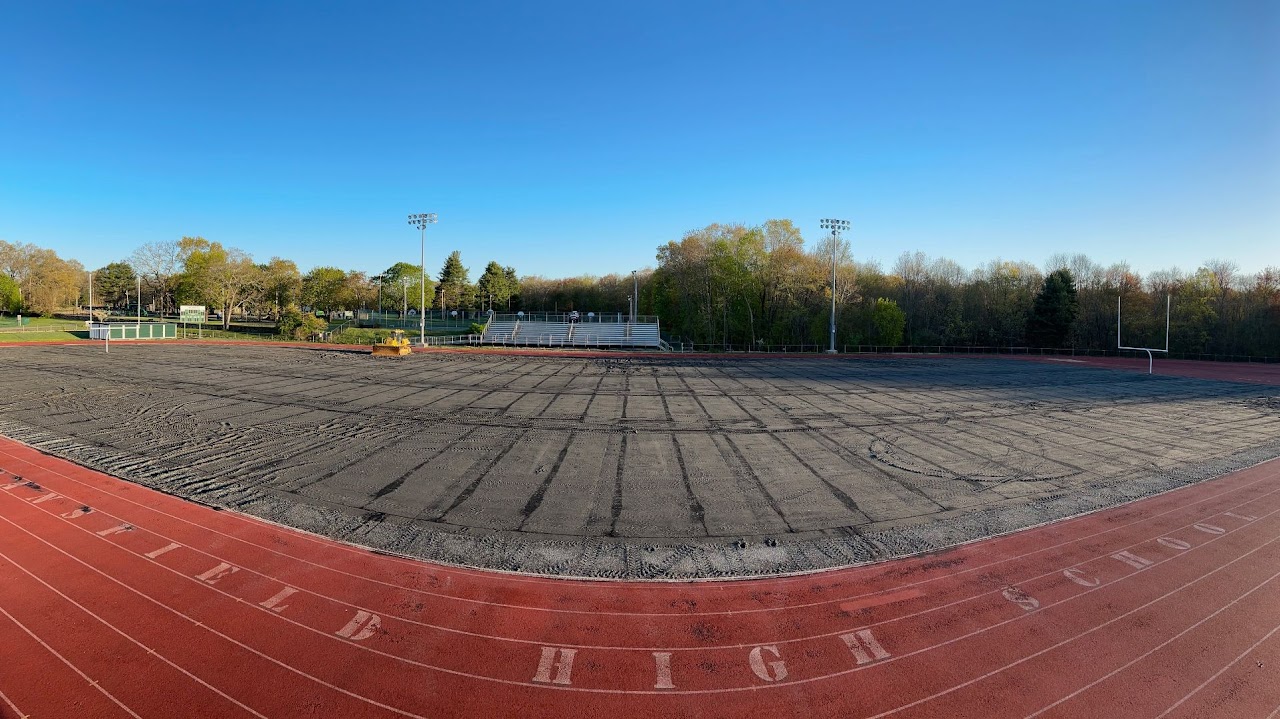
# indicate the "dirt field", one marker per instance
pixel 637 468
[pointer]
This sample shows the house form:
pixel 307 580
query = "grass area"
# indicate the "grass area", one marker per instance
pixel 20 337
pixel 217 334
pixel 10 322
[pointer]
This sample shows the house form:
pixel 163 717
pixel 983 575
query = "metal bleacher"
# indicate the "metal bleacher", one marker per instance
pixel 555 330
pixel 500 332
pixel 544 334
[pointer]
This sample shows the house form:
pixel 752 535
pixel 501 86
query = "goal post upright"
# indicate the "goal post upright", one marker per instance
pixel 1168 301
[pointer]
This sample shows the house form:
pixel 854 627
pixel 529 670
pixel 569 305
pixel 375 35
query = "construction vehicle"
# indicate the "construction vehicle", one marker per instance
pixel 397 345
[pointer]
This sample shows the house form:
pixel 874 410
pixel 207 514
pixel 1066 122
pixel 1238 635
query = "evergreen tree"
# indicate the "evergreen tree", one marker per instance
pixel 494 286
pixel 1054 311
pixel 113 283
pixel 455 283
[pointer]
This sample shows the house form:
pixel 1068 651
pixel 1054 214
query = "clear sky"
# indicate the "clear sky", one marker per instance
pixel 570 138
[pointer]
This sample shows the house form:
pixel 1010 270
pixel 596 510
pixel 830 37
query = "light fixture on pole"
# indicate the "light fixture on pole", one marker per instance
pixel 421 220
pixel 836 227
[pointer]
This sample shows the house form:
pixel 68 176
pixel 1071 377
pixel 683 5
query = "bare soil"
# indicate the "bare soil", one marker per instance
pixel 632 467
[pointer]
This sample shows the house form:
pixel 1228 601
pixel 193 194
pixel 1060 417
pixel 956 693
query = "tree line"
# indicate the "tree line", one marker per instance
pixel 729 285
pixel 742 286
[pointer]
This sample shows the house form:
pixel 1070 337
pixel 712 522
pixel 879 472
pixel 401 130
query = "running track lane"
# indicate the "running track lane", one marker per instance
pixel 121 601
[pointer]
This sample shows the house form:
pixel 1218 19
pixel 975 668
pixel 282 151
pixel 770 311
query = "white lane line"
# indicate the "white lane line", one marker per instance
pixel 1160 646
pixel 208 628
pixel 445 670
pixel 333 543
pixel 1087 632
pixel 744 645
pixel 14 707
pixel 64 660
pixel 1218 673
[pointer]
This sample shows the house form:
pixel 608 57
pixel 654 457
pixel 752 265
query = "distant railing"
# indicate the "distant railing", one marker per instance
pixel 440 341
pixel 41 328
pixel 583 317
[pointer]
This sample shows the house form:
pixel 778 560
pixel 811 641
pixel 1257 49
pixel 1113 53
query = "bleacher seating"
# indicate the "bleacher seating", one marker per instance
pixel 543 333
pixel 500 332
pixel 645 334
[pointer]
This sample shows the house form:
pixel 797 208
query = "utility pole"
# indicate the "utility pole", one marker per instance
pixel 836 226
pixel 378 322
pixel 421 220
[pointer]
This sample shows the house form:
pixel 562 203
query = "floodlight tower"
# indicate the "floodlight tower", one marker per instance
pixel 421 220
pixel 635 292
pixel 836 227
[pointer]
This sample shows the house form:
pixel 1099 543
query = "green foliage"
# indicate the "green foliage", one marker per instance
pixel 322 288
pixel 402 288
pixel 457 288
pixel 113 284
pixel 476 328
pixel 889 321
pixel 497 286
pixel 359 336
pixel 281 284
pixel 10 296
pixel 224 279
pixel 1054 312
pixel 298 324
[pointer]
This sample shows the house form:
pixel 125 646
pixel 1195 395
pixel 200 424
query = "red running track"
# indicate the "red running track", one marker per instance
pixel 119 601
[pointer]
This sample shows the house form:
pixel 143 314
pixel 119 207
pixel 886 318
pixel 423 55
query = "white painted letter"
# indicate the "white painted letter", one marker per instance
pixel 116 530
pixel 213 575
pixel 563 665
pixel 1209 528
pixel 1078 577
pixel 1132 559
pixel 1021 598
pixel 758 665
pixel 274 603
pixel 77 512
pixel 45 497
pixel 1244 517
pixel 865 648
pixel 361 627
pixel 156 553
pixel 663 660
pixel 1173 543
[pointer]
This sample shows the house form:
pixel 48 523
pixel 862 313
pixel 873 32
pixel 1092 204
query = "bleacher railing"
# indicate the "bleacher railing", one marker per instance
pixel 606 318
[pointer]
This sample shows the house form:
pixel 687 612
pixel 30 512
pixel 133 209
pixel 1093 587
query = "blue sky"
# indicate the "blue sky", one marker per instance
pixel 571 138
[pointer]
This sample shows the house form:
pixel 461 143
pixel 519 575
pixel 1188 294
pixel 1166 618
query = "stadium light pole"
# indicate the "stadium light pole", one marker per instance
pixel 421 220
pixel 404 282
pixel 635 292
pixel 836 227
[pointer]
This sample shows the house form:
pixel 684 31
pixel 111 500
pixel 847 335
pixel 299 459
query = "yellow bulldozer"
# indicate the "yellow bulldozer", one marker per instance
pixel 397 345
